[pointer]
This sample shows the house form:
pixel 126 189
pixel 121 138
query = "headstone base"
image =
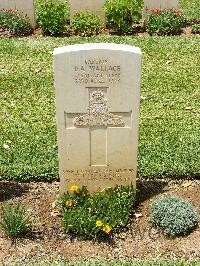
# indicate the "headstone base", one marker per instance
pixel 95 178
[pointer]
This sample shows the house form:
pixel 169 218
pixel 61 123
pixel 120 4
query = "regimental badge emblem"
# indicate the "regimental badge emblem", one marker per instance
pixel 98 113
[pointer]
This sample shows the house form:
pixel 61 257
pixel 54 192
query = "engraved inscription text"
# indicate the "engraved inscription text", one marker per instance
pixel 97 71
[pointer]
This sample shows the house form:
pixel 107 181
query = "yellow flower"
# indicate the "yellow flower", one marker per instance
pixel 69 203
pixel 74 188
pixel 99 223
pixel 107 229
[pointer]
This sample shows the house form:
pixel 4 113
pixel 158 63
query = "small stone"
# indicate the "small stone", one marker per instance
pixel 6 146
pixel 187 184
pixel 168 62
pixel 138 215
pixel 55 212
pixel 54 204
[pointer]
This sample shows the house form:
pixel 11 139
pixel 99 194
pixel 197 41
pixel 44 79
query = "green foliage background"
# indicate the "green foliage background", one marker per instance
pixel 167 22
pixel 52 16
pixel 15 24
pixel 122 13
pixel 169 143
pixel 86 24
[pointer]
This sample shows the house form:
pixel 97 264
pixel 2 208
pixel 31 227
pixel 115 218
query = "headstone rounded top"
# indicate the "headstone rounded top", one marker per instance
pixel 97 104
pixel 97 46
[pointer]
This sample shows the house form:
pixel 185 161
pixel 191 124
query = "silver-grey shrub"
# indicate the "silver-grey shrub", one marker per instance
pixel 175 215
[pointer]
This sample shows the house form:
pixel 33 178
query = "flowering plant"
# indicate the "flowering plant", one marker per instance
pixel 164 21
pixel 98 215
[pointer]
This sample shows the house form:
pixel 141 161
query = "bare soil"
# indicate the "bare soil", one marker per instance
pixel 47 239
pixel 137 31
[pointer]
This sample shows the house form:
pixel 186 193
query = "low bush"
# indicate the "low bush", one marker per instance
pixel 164 22
pixel 120 14
pixel 175 215
pixel 98 215
pixel 86 24
pixel 196 28
pixel 52 16
pixel 14 221
pixel 14 24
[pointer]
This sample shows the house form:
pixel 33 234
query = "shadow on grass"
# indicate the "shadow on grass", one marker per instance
pixel 147 189
pixel 11 189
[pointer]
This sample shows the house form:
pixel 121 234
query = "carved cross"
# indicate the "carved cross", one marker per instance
pixel 98 120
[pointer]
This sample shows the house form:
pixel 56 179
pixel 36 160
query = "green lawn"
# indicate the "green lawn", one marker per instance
pixel 191 9
pixel 169 143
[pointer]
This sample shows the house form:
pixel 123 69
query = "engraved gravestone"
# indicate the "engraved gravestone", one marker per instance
pixel 97 101
pixel 87 6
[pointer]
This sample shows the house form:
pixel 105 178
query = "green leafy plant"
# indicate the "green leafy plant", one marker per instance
pixel 173 214
pixel 120 14
pixel 196 28
pixel 86 24
pixel 98 215
pixel 52 16
pixel 14 24
pixel 164 22
pixel 14 220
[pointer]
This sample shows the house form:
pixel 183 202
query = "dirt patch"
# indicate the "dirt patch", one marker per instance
pixel 140 240
pixel 187 31
pixel 137 31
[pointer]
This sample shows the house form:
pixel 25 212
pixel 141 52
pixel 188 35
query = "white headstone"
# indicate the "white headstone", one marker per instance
pixel 97 101
pixel 164 4
pixel 87 6
pixel 25 7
